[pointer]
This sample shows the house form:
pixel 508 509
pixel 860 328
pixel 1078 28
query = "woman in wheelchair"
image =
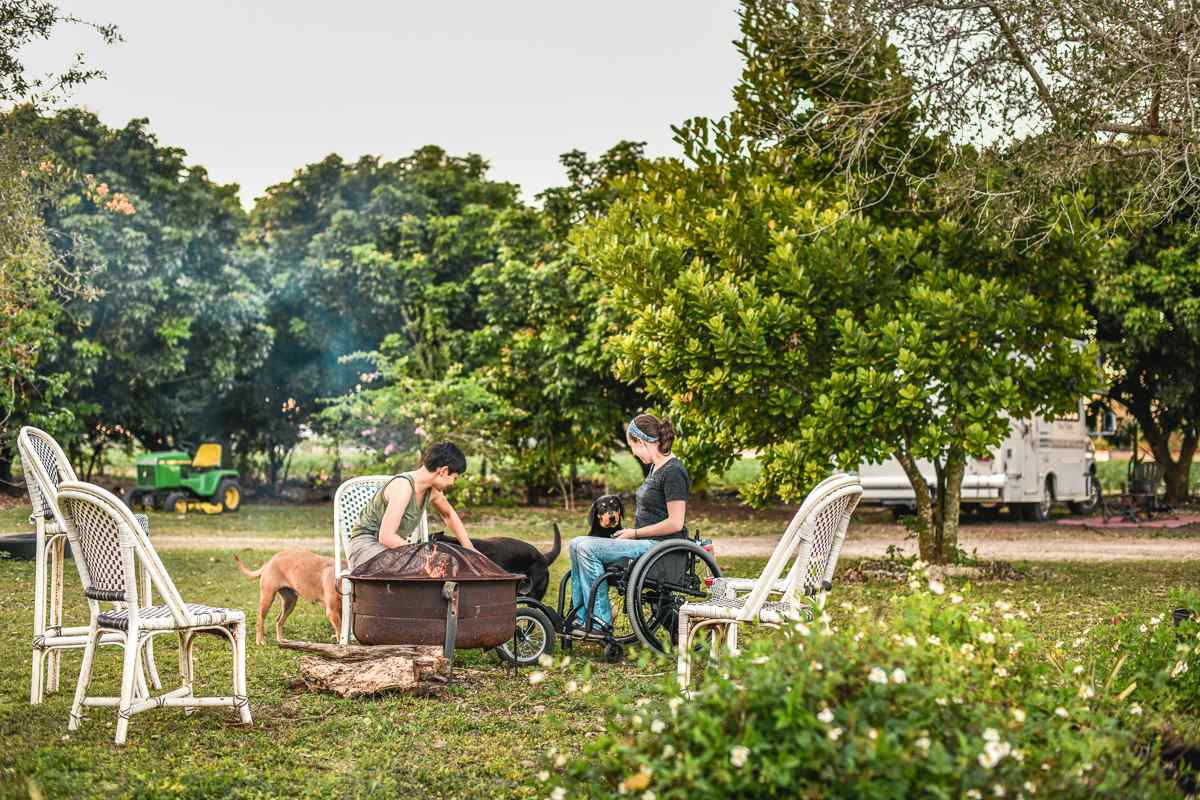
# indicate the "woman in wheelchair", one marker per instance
pixel 661 513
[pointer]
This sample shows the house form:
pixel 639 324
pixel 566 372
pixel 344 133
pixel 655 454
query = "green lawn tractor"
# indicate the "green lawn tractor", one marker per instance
pixel 175 481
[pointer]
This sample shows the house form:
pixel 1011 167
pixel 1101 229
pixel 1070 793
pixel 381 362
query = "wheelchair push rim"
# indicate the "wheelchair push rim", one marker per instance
pixel 656 591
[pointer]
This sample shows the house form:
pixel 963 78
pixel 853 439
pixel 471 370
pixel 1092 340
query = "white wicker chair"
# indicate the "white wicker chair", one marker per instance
pixel 46 466
pixel 109 544
pixel 348 502
pixel 814 538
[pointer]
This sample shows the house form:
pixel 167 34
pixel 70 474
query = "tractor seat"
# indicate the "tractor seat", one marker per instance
pixel 208 456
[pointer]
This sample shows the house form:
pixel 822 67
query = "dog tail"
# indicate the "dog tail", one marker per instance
pixel 554 551
pixel 245 571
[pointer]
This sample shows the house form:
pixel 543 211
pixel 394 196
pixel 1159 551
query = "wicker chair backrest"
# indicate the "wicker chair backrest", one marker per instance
pixel 348 502
pixel 46 466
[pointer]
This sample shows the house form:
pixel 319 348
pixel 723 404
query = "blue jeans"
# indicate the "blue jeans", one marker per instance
pixel 589 556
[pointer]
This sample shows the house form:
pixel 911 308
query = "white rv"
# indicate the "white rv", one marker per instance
pixel 1040 463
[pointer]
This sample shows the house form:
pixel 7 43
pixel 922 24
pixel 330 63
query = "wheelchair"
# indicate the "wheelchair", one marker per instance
pixel 644 594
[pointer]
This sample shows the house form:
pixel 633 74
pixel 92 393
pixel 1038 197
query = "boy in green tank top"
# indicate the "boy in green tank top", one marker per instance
pixel 394 515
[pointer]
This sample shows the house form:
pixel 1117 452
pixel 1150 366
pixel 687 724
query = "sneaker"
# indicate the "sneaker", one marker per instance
pixel 600 631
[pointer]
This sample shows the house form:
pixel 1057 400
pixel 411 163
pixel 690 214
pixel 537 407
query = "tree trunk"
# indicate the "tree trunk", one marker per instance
pixel 1176 473
pixel 951 505
pixel 924 523
pixel 6 468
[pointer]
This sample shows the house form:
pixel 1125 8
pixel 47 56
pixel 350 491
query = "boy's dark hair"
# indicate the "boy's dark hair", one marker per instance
pixel 445 454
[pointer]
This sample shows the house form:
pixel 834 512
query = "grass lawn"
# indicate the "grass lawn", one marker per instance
pixel 484 738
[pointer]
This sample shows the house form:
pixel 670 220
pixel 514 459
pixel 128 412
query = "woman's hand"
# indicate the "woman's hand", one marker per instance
pixel 626 533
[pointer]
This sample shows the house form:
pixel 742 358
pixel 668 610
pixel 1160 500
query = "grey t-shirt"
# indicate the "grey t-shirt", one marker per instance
pixel 666 484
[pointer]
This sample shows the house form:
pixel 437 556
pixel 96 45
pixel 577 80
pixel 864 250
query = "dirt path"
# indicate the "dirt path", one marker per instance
pixel 1040 544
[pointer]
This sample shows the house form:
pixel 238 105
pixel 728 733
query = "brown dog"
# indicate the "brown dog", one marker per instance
pixel 293 574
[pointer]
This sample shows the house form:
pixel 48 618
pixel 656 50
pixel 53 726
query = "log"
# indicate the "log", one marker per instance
pixel 358 671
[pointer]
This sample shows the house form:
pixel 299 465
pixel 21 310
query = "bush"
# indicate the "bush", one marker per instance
pixel 1150 662
pixel 939 698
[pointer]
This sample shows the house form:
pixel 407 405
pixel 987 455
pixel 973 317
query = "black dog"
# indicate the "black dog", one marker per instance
pixel 605 516
pixel 517 557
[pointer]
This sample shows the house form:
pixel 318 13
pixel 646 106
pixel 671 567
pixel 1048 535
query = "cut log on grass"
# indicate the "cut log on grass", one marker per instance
pixel 356 670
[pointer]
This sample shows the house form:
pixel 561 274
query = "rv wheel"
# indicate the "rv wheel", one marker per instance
pixel 1090 505
pixel 1040 511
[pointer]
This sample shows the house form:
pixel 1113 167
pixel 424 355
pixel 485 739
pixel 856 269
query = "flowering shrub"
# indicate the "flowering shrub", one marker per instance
pixel 942 697
pixel 1151 663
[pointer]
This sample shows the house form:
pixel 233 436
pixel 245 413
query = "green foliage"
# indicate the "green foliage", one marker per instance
pixel 24 22
pixel 940 696
pixel 172 319
pixel 1146 299
pixel 1152 661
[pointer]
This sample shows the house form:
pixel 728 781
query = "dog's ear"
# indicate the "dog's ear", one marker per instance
pixel 592 514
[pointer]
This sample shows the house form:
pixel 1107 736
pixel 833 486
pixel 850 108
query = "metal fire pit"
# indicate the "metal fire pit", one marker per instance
pixel 434 593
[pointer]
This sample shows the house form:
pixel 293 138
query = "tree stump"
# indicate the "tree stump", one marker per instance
pixel 358 670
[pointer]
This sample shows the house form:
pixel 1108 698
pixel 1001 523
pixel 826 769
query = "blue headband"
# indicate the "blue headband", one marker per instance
pixel 637 433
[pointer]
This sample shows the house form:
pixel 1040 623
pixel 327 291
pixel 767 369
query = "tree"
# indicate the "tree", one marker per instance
pixel 769 317
pixel 1044 92
pixel 355 254
pixel 1147 306
pixel 171 318
pixel 23 22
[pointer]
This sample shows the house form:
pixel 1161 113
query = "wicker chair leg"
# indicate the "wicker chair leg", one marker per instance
pixel 37 672
pixel 344 592
pixel 129 669
pixel 54 667
pixel 683 664
pixel 85 678
pixel 187 665
pixel 240 695
pixel 145 596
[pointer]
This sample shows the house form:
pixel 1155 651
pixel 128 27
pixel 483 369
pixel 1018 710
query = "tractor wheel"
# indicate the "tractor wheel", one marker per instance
pixel 135 498
pixel 175 502
pixel 229 495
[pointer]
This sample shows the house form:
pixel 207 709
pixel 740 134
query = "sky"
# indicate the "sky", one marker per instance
pixel 254 90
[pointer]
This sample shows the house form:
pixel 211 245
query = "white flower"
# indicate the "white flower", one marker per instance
pixel 987 637
pixel 923 743
pixel 560 760
pixel 956 599
pixel 636 720
pixel 936 586
pixel 545 660
pixel 759 660
pixel 1002 606
pixel 1030 787
pixel 738 756
pixel 1061 712
pixel 536 677
pixel 973 794
pixel 1001 672
pixel 1135 710
pixel 878 676
pixel 1078 670
pixel 641 701
pixel 816 666
pixel 1155 620
pixel 674 703
pixel 998 790
pixel 872 734
pixel 993 752
pixel 1180 668
pixel 565 661
pixel 649 795
pixel 802 629
pixel 1086 691
pixel 1018 755
pixel 967 649
pixel 910 640
pixel 941 701
pixel 835 733
pixel 1018 714
pixel 668 751
pixel 825 716
pixel 543 776
pixel 991 735
pixel 558 794
pixel 898 676
pixel 933 640
pixel 1143 629
pixel 572 687
pixel 658 726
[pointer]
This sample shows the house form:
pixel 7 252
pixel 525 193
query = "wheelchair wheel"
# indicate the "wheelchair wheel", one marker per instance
pixel 534 637
pixel 623 632
pixel 671 574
